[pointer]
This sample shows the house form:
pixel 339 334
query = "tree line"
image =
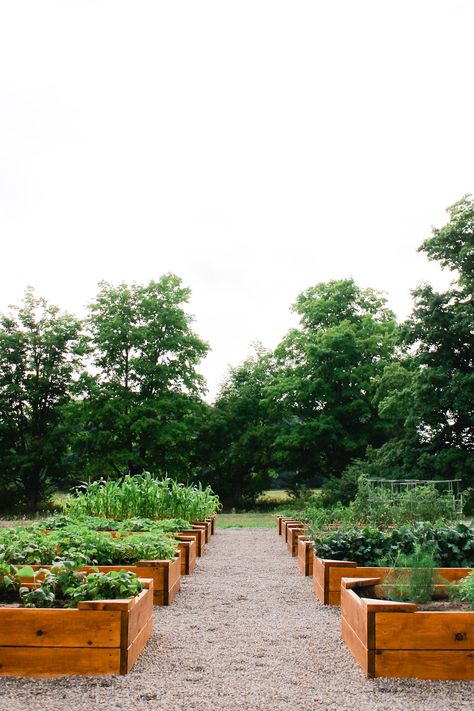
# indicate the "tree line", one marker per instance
pixel 348 391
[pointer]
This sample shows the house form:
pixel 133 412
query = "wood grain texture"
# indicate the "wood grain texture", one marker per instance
pixel 137 647
pixel 420 664
pixel 292 544
pixel 425 630
pixel 305 556
pixel 100 637
pixel 331 573
pixel 20 627
pixel 290 525
pixel 188 560
pixel 355 645
pixel 49 662
pixel 207 526
pixel 403 641
pixel 198 534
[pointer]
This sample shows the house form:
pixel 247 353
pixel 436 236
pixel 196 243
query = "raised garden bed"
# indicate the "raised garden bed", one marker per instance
pixel 327 576
pixel 165 575
pixel 289 526
pixel 305 556
pixel 283 522
pixel 396 639
pixel 207 525
pixel 99 637
pixel 186 544
pixel 187 547
pixel 293 533
pixel 199 534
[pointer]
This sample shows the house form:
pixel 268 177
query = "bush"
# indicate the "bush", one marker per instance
pixel 82 547
pixel 454 543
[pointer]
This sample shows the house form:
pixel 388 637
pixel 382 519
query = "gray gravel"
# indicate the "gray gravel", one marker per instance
pixel 244 633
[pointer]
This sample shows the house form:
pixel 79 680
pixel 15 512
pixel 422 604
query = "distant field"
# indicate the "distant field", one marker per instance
pixel 281 496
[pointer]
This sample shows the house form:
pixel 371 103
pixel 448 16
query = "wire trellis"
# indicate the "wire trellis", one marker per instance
pixel 450 487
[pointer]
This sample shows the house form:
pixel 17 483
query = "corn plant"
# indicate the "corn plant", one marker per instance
pixel 142 496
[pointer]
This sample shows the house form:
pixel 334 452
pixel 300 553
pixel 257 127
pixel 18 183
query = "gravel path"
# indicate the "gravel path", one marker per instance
pixel 244 633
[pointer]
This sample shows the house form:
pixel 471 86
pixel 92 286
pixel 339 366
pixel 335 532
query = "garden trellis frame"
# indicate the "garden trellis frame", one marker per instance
pixel 448 486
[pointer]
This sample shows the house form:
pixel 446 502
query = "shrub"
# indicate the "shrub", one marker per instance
pixel 454 543
pixel 83 547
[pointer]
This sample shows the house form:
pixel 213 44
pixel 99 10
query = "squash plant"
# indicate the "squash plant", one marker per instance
pixel 453 543
pixel 64 585
pixel 83 547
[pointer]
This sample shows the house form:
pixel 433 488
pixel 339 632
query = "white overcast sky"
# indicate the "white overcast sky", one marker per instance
pixel 252 147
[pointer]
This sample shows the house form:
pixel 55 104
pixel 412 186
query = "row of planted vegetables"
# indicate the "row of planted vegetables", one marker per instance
pixel 77 590
pixel 405 590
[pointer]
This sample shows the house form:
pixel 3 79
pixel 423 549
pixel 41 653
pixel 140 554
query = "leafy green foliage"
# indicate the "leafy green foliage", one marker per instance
pixel 40 354
pixel 143 408
pixel 428 401
pixel 413 576
pixel 142 496
pixel 381 507
pixel 326 378
pixel 466 589
pixel 235 438
pixel 65 586
pixel 96 523
pixel 83 547
pixel 454 543
pixel 108 586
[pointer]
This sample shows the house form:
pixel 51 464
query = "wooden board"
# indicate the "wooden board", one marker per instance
pixel 50 662
pixel 207 526
pixel 284 523
pixel 331 572
pixel 99 637
pixel 188 554
pixel 305 556
pixel 289 526
pixel 45 628
pixel 199 536
pixel 355 645
pixel 425 630
pixel 293 535
pixel 402 641
pixel 420 664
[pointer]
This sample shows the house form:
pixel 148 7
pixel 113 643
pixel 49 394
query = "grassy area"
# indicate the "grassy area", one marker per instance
pixel 270 495
pixel 246 520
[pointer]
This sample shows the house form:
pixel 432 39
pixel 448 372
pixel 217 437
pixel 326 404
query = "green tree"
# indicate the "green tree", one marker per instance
pixel 143 405
pixel 441 331
pixel 427 398
pixel 236 435
pixel 40 357
pixel 326 377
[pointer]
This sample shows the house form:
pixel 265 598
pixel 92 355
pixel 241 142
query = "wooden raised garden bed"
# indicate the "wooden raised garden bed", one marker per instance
pixel 207 525
pixel 165 574
pixel 305 556
pixel 199 534
pixel 187 547
pixel 327 576
pixel 293 533
pixel 395 639
pixel 99 637
pixel 284 523
pixel 289 526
